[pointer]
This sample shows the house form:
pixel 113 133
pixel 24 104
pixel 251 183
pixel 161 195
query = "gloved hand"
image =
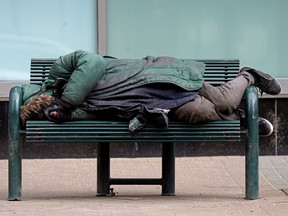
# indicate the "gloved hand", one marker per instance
pixel 59 111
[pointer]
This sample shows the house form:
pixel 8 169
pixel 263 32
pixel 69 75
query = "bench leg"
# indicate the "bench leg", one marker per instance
pixel 103 169
pixel 168 169
pixel 14 146
pixel 15 169
pixel 252 145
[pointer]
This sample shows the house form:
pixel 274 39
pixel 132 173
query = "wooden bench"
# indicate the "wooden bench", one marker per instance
pixel 103 133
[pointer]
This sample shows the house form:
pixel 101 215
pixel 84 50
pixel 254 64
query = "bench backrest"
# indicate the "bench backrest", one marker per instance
pixel 216 72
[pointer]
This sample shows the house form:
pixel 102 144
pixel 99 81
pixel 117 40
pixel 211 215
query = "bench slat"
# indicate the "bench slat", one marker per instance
pixel 109 131
pixel 93 139
pixel 110 124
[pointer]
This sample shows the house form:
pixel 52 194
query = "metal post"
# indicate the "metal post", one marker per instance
pixel 102 27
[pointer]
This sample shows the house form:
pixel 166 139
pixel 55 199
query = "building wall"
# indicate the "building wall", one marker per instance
pixel 43 29
pixel 255 31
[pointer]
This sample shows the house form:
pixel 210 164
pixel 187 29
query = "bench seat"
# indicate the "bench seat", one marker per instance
pixel 110 131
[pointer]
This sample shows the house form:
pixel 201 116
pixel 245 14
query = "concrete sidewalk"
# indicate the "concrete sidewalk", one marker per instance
pixel 204 186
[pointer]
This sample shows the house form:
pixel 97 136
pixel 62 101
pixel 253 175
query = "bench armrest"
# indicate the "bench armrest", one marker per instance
pixel 251 103
pixel 15 102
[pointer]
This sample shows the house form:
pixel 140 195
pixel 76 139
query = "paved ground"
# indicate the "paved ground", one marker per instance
pixel 204 186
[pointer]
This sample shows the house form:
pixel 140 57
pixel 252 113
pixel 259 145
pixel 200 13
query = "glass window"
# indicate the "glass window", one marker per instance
pixel 253 31
pixel 34 28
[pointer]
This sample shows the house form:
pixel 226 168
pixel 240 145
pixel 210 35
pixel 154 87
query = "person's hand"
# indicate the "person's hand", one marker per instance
pixel 59 111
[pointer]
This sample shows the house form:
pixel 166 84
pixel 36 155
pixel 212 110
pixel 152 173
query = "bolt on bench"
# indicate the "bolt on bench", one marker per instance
pixel 102 133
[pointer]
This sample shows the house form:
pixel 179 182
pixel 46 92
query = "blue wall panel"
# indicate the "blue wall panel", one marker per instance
pixel 253 31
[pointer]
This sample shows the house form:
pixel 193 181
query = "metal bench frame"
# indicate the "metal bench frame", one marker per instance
pixel 104 132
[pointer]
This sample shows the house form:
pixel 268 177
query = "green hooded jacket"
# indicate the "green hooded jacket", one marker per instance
pixel 96 76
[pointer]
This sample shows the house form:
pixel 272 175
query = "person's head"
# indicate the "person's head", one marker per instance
pixel 35 108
